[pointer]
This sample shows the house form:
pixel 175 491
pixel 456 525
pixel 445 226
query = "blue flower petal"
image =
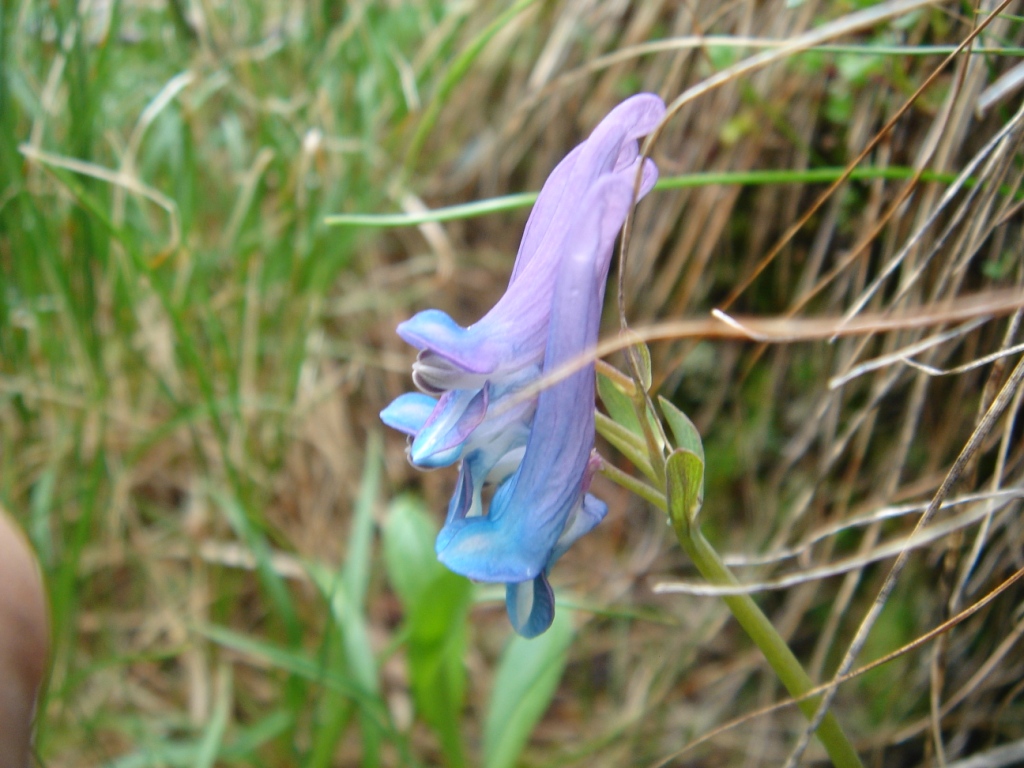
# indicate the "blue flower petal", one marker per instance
pixel 409 412
pixel 531 510
pixel 591 512
pixel 449 425
pixel 530 606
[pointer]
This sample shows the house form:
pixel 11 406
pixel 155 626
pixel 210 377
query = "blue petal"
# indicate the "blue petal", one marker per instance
pixel 409 412
pixel 590 513
pixel 488 548
pixel 434 331
pixel 530 606
pixel 531 510
pixel 451 422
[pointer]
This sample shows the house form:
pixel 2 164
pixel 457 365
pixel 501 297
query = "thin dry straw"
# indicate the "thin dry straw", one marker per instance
pixel 919 538
pixel 782 330
pixel 999 139
pixel 883 513
pixel 853 22
pixel 989 420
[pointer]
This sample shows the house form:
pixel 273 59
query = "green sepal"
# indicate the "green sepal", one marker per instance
pixel 683 430
pixel 684 478
pixel 618 404
pixel 643 360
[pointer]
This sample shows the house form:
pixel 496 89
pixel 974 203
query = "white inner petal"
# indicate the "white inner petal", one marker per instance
pixel 524 601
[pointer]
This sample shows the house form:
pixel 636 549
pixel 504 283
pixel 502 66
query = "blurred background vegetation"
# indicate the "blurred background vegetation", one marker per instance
pixel 239 559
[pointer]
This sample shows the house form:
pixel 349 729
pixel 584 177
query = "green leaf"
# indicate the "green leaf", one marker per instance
pixel 356 571
pixel 213 737
pixel 683 430
pixel 437 644
pixel 436 603
pixel 619 404
pixel 527 678
pixel 629 444
pixel 408 541
pixel 291 661
pixel 624 411
pixel 643 354
pixel 346 592
pixel 684 474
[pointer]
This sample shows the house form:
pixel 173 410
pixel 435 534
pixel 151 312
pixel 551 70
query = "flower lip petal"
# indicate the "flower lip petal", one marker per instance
pixel 530 606
pixel 450 424
pixel 408 413
pixel 434 330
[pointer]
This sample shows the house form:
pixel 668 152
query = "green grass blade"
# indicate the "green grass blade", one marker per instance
pixel 213 737
pixel 457 71
pixel 527 678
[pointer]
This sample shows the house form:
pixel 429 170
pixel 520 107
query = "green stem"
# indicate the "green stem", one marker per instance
pixel 752 619
pixel 774 648
pixel 630 483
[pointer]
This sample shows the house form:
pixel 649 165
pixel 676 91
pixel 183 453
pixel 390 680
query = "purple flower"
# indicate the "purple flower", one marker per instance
pixel 537 452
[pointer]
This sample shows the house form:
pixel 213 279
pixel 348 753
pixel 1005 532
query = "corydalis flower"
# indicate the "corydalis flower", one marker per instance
pixel 536 451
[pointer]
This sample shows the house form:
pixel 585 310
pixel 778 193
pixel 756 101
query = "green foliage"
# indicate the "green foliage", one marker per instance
pixel 685 487
pixel 619 405
pixel 436 603
pixel 177 314
pixel 683 430
pixel 528 675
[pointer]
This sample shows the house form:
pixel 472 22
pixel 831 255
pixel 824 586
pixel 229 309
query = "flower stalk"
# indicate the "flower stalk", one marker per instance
pixel 746 612
pixel 775 649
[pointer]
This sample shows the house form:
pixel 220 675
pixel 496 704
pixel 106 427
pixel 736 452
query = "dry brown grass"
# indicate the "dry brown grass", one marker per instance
pixel 787 453
pixel 796 443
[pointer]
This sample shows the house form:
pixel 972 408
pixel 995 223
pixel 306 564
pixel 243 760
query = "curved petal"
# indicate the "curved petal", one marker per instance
pixel 543 210
pixel 513 333
pixel 529 512
pixel 530 606
pixel 450 424
pixel 638 115
pixel 409 412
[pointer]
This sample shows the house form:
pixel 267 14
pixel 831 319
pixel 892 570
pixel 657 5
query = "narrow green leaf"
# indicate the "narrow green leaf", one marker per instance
pixel 686 181
pixel 356 573
pixel 527 678
pixel 333 711
pixel 619 404
pixel 408 543
pixel 436 603
pixel 437 645
pixel 175 754
pixel 247 529
pixel 213 737
pixel 293 662
pixel 685 433
pixel 643 354
pixel 629 444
